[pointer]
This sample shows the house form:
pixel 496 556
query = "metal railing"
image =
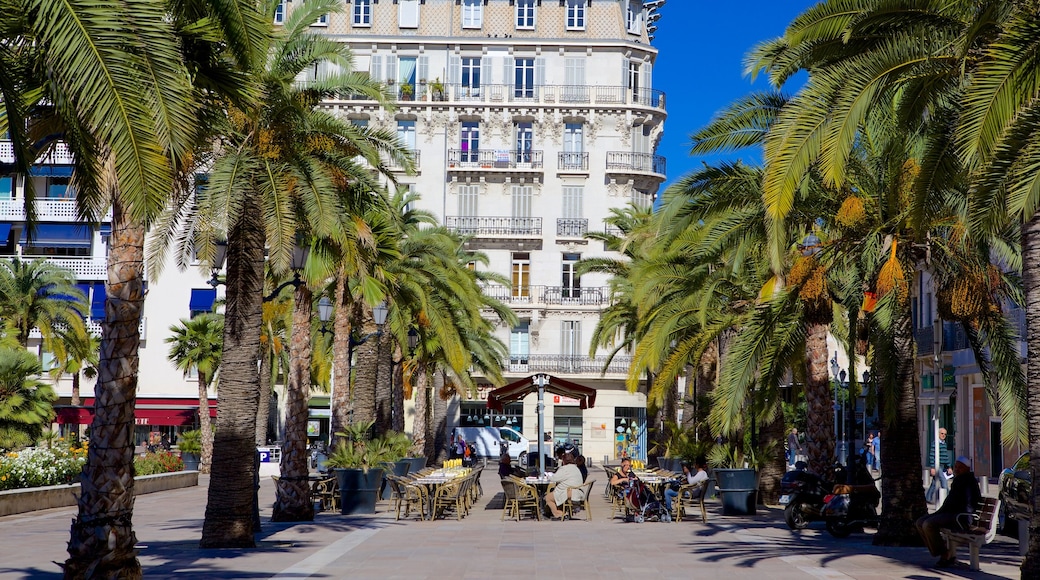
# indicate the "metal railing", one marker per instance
pixel 494 159
pixel 60 155
pixel 569 364
pixel 495 226
pixel 393 164
pixel 954 337
pixel 545 94
pixel 572 227
pixel 573 161
pixel 57 210
pixel 924 337
pixel 641 162
pixel 549 295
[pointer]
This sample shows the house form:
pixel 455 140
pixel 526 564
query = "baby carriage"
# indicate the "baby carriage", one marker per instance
pixel 641 502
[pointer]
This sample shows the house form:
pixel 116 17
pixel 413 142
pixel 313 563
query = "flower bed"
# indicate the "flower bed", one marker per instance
pixel 42 466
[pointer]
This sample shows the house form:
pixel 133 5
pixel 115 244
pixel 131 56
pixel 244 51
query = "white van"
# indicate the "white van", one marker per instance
pixel 488 441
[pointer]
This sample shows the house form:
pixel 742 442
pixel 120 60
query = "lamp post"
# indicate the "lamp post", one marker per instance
pixel 836 372
pixel 379 313
pixel 541 381
pixel 219 257
pixel 325 314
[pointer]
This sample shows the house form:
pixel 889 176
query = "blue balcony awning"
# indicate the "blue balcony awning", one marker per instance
pixel 105 229
pixel 59 236
pixel 202 299
pixel 51 171
pixel 5 232
pixel 97 302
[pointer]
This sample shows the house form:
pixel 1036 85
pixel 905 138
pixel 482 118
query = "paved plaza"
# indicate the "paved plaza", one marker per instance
pixel 168 526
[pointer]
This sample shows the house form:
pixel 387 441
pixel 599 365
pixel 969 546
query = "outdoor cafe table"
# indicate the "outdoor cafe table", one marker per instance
pixel 434 480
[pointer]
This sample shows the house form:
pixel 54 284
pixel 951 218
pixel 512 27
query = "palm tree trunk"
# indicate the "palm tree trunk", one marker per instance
pixel 292 503
pixel 1031 283
pixel 819 430
pixel 75 400
pixel 384 391
pixel 902 492
pixel 772 437
pixel 366 371
pixel 232 491
pixel 102 538
pixel 205 425
pixel 421 424
pixel 439 422
pixel 263 410
pixel 398 391
pixel 341 399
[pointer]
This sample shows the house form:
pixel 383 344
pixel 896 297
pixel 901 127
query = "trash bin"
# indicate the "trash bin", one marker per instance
pixel 739 490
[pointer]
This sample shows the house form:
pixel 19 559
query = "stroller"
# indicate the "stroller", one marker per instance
pixel 640 501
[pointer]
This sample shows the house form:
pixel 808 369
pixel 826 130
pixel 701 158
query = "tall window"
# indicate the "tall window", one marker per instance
pixel 521 274
pixel 571 282
pixel 525 14
pixel 470 76
pixel 470 144
pixel 279 13
pixel 573 146
pixel 468 196
pixel 522 195
pixel 570 338
pixel 634 17
pixel 633 79
pixel 58 188
pixel 472 13
pixel 572 201
pixel 575 89
pixel 524 142
pixel 520 343
pixel 6 188
pixel 362 12
pixel 575 14
pixel 523 78
pixel 408 14
pixel 406 134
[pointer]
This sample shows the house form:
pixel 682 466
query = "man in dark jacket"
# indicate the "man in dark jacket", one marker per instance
pixel 964 497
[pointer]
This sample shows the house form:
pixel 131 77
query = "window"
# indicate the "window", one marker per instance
pixel 633 79
pixel 362 12
pixel 525 14
pixel 575 89
pixel 470 144
pixel 279 13
pixel 525 77
pixel 406 134
pixel 322 20
pixel 58 188
pixel 201 301
pixel 58 240
pixel 634 18
pixel 524 142
pixel 6 187
pixel 571 282
pixel 575 14
pixel 573 146
pixel 467 74
pixel 468 200
pixel 522 195
pixel 572 201
pixel 521 275
pixel 408 14
pixel 520 343
pixel 570 338
pixel 472 13
pixel 470 80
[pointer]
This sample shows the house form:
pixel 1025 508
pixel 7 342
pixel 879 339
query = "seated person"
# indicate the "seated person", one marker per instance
pixel 568 482
pixel 964 497
pixel 692 477
pixel 580 462
pixel 505 463
pixel 624 473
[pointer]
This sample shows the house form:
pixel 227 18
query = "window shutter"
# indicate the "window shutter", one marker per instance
pixel 376 68
pixel 485 71
pixel 454 70
pixel 539 72
pixel 391 69
pixel 624 74
pixel 423 68
pixel 509 71
pixel 648 75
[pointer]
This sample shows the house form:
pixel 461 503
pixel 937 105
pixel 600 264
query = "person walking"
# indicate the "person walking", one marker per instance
pixel 868 448
pixel 794 447
pixel 964 497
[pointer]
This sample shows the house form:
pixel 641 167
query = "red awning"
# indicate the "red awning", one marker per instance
pixel 517 390
pixel 148 411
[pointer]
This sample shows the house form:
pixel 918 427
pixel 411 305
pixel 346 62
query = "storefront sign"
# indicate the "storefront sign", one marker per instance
pixel 566 401
pixel 949 377
pixel 482 392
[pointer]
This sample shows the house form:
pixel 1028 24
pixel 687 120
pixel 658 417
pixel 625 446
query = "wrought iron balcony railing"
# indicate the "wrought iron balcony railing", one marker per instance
pixel 545 94
pixel 925 338
pixel 549 295
pixel 495 226
pixel 494 159
pixel 569 364
pixel 572 227
pixel 415 160
pixel 573 161
pixel 625 161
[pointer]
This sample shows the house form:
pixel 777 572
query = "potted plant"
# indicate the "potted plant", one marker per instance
pixel 736 472
pixel 190 445
pixel 437 88
pixel 416 458
pixel 397 445
pixel 358 462
pixel 407 91
pixel 422 89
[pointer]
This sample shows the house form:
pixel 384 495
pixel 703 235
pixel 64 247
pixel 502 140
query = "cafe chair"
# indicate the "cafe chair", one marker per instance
pixel 568 507
pixel 686 501
pixel 519 496
pixel 407 496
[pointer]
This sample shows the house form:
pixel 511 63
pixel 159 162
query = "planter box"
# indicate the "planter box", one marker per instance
pixel 739 490
pixel 358 490
pixel 17 501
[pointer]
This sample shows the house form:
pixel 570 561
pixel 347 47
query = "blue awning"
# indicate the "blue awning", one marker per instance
pixel 105 229
pixel 5 232
pixel 202 299
pixel 97 303
pixel 59 236
pixel 51 171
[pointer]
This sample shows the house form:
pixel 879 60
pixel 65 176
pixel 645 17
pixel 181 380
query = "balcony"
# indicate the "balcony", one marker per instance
pixel 628 163
pixel 84 268
pixel 490 159
pixel 573 162
pixel 59 155
pixel 395 166
pixel 94 327
pixel 539 94
pixel 924 337
pixel 47 210
pixel 549 295
pixel 495 226
pixel 572 227
pixel 569 364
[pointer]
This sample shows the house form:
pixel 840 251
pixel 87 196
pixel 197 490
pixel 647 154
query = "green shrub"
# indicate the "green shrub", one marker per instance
pixel 159 462
pixel 39 467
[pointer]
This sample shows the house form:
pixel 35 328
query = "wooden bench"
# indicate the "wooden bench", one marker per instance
pixel 977 529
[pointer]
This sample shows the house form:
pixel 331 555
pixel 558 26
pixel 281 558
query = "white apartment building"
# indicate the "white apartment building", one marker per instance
pixel 530 120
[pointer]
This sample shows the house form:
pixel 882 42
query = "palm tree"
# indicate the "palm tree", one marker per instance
pixel 75 354
pixel 26 403
pixel 273 359
pixel 38 294
pixel 196 344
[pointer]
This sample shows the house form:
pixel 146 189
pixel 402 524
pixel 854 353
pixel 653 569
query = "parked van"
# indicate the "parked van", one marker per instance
pixel 488 441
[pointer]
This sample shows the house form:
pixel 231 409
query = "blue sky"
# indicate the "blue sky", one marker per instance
pixel 702 45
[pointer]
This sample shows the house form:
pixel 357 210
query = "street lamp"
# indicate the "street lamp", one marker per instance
pixel 324 314
pixel 299 258
pixel 541 381
pixel 839 377
pixel 219 257
pixel 379 314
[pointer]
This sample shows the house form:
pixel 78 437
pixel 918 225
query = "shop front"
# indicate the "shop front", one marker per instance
pixel 155 419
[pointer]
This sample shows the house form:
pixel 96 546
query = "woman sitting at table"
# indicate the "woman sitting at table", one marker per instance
pixel 568 482
pixel 580 462
pixel 624 473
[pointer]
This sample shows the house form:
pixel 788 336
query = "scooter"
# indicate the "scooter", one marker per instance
pixel 853 506
pixel 803 494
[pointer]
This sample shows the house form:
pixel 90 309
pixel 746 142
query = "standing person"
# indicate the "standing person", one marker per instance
pixel 868 447
pixel 877 451
pixel 964 497
pixel 460 446
pixel 794 447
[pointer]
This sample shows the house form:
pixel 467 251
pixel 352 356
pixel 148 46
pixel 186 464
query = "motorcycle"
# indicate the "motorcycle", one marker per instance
pixel 803 495
pixel 853 506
